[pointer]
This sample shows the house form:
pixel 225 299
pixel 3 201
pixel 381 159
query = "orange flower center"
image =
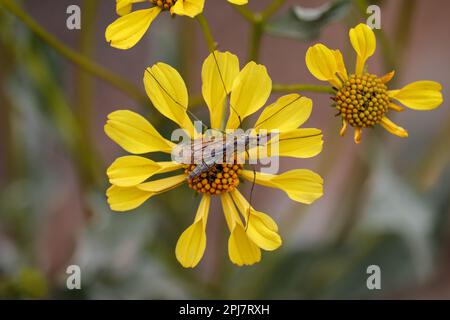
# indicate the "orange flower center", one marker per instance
pixel 220 178
pixel 362 101
pixel 164 4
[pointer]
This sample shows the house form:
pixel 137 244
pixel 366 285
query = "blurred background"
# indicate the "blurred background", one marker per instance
pixel 386 201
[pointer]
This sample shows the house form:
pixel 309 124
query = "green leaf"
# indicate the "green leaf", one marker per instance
pixel 306 23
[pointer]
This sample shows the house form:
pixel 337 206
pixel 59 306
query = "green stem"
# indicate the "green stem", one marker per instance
pixel 84 99
pixel 302 87
pixel 76 58
pixel 188 49
pixel 84 82
pixel 245 13
pixel 7 138
pixel 271 9
pixel 212 45
pixel 257 22
pixel 255 38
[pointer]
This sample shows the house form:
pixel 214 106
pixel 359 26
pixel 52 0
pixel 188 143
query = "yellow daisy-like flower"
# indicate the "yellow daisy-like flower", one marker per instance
pixel 363 99
pixel 127 30
pixel 133 177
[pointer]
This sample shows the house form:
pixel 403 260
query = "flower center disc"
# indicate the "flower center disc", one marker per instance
pixel 362 101
pixel 218 179
pixel 164 4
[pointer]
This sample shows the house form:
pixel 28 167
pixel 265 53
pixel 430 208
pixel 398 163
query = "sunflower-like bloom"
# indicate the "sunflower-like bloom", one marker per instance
pixel 134 178
pixel 363 99
pixel 127 30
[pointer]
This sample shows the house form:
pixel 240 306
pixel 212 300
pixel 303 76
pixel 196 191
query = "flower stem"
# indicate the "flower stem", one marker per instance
pixel 84 97
pixel 75 57
pixel 256 37
pixel 302 87
pixel 212 45
pixel 258 22
pixel 271 9
pixel 244 12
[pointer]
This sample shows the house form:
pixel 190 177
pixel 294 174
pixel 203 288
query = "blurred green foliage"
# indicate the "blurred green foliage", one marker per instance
pixel 303 23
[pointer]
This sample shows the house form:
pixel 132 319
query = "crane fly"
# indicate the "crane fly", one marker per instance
pixel 208 151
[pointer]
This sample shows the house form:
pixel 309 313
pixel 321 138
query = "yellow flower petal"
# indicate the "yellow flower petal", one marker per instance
pixel 243 206
pixel 132 170
pixel 343 128
pixel 189 8
pixel 321 62
pixel 191 245
pixel 238 2
pixel 364 42
pixel 287 113
pixel 229 210
pixel 393 128
pixel 219 70
pixel 357 135
pixel 162 185
pixel 341 70
pixel 167 91
pixel 300 185
pixel 260 233
pixel 251 89
pixel 126 198
pixel 124 7
pixel 169 166
pixel 126 31
pixel 241 249
pixel 261 229
pixel 396 107
pixel 387 77
pixel 419 95
pixel 192 242
pixel 298 143
pixel 135 134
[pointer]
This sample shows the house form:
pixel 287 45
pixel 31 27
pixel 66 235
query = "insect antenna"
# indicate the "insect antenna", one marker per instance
pixel 310 136
pixel 257 124
pixel 250 200
pixel 225 87
pixel 174 100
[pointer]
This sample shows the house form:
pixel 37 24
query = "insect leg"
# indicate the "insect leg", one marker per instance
pixel 251 193
pixel 250 199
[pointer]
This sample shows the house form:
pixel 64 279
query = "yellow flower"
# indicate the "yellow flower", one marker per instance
pixel 127 30
pixel 134 178
pixel 363 99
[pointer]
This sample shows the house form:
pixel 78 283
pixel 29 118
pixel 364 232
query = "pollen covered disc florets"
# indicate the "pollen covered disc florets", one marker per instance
pixel 164 4
pixel 220 178
pixel 362 100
